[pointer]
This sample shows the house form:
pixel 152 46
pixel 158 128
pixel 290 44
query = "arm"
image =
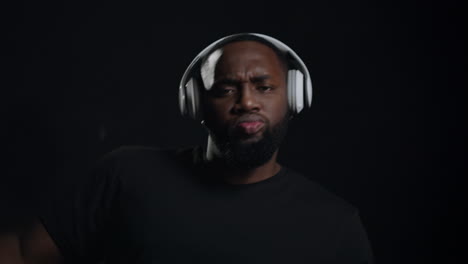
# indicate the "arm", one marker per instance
pixel 31 246
pixel 75 215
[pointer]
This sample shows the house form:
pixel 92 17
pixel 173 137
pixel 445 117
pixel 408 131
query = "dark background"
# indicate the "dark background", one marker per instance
pixel 386 130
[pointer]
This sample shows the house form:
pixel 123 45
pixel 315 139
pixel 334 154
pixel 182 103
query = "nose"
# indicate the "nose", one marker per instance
pixel 247 100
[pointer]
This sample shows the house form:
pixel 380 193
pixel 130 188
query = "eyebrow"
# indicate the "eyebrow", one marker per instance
pixel 261 78
pixel 233 81
pixel 226 81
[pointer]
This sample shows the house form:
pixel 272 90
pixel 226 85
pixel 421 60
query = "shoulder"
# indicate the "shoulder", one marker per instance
pixel 313 193
pixel 136 159
pixel 135 153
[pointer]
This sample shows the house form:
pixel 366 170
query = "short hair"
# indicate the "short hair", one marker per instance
pixel 282 57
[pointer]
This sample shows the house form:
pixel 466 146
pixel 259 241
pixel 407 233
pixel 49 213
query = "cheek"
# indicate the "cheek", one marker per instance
pixel 215 112
pixel 277 109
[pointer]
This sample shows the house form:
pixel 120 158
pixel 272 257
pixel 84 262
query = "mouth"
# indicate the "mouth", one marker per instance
pixel 250 128
pixel 249 125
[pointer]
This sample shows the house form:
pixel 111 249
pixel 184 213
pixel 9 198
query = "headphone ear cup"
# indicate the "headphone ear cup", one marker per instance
pixel 192 98
pixel 308 91
pixel 196 99
pixel 291 91
pixel 295 91
pixel 182 101
pixel 299 89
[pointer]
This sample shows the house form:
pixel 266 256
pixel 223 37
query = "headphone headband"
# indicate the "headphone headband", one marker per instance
pixel 188 89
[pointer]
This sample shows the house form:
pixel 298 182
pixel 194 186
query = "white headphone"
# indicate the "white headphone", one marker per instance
pixel 299 82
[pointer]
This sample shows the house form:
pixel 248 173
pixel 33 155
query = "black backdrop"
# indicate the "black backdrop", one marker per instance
pixel 386 130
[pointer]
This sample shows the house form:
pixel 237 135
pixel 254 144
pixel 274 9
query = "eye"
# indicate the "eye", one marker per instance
pixel 227 90
pixel 265 88
pixel 221 91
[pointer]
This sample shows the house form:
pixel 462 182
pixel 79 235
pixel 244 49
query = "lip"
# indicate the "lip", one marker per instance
pixel 249 118
pixel 249 124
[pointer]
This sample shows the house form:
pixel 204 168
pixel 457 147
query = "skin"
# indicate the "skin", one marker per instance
pixel 31 246
pixel 248 79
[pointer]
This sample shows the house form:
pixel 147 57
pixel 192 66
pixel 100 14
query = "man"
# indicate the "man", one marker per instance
pixel 228 202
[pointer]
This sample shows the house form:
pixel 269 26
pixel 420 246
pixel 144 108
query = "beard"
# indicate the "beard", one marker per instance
pixel 247 155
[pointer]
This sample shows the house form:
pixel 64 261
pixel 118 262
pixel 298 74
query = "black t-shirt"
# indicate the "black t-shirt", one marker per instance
pixel 143 205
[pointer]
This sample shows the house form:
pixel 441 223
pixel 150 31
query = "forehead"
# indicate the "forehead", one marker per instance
pixel 242 56
pixel 245 54
pixel 241 60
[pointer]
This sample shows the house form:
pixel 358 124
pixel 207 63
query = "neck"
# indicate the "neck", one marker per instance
pixel 240 175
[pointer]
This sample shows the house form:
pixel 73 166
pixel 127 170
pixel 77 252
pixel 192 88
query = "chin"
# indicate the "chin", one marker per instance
pixel 249 140
pixel 250 151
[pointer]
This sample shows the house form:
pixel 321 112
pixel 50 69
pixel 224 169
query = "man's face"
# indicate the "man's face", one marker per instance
pixel 245 104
